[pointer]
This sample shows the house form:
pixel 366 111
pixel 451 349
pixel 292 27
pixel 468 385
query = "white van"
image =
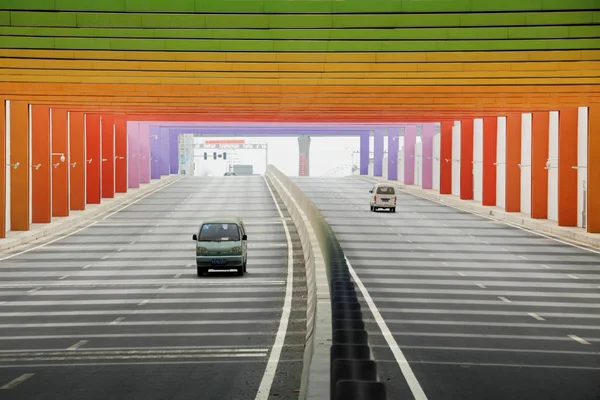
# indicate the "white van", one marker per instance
pixel 384 196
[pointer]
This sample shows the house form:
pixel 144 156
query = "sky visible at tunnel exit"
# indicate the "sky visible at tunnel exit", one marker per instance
pixel 329 156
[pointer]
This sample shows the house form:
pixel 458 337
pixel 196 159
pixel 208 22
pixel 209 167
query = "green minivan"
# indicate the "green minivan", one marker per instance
pixel 221 245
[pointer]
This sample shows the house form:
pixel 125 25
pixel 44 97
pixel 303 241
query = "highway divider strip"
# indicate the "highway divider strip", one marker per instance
pixel 338 360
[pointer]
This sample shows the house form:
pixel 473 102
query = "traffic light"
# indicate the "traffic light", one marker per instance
pixel 205 156
pixel 215 155
pixel 224 156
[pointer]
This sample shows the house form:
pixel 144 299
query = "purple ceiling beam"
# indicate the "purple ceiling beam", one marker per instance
pixel 144 140
pixel 378 152
pixel 364 153
pixel 165 166
pixel 133 155
pixel 393 149
pixel 155 167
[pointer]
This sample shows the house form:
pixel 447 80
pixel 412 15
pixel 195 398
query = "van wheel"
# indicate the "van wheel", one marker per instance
pixel 240 271
pixel 245 262
pixel 202 271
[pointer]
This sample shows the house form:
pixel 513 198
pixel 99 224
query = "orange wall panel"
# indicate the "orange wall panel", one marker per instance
pixel 567 159
pixel 513 159
pixel 593 179
pixel 490 142
pixel 20 195
pixel 2 170
pixel 108 156
pixel 77 168
pixel 93 154
pixel 446 153
pixel 121 155
pixel 41 160
pixel 466 159
pixel 540 141
pixel 60 169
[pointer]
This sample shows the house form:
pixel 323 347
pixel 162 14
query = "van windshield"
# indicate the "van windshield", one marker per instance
pixel 385 190
pixel 219 232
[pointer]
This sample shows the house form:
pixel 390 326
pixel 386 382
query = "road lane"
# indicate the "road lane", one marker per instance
pixel 117 311
pixel 479 309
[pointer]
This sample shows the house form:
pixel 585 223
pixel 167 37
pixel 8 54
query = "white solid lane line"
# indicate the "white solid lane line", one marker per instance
pixel 407 371
pixel 16 381
pixel 267 380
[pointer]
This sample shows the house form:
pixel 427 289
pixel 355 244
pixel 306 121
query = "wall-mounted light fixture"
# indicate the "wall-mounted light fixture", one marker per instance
pixel 62 156
pixel 497 163
pixel 452 159
pixel 579 167
pixel 104 159
pixel 14 166
pixel 36 167
pixel 549 164
pixel 56 165
pixel 523 165
pixel 119 158
pixel 89 161
pixel 74 164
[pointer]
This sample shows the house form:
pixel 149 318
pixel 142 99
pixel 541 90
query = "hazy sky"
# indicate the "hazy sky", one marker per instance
pixel 329 156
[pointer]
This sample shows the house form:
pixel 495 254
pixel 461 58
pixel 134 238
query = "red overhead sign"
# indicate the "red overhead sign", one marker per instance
pixel 230 141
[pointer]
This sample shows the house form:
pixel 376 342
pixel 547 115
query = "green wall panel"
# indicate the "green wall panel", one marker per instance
pixel 27 5
pixel 160 6
pixel 358 6
pixel 4 18
pixel 298 6
pixel 301 6
pixel 43 19
pixel 559 18
pixel 532 32
pixel 137 44
pixel 82 43
pixel 230 6
pixel 431 6
pixel 90 5
pixel 93 20
pixel 323 21
pixel 15 42
pixel 237 21
pixel 294 45
pixel 300 21
pixel 178 21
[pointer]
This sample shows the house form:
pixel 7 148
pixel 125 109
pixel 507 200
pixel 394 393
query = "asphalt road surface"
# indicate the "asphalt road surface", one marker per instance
pixel 116 310
pixel 480 309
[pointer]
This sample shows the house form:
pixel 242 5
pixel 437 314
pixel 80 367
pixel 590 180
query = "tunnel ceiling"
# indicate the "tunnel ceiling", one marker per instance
pixel 338 61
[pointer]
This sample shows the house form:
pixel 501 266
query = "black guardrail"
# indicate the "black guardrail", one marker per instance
pixel 353 372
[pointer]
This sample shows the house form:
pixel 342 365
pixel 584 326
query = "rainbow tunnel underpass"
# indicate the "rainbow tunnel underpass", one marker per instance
pixel 447 246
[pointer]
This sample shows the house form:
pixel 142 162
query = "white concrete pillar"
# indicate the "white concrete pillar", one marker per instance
pixel 401 165
pixel 30 151
pixel 436 162
pixel 525 165
pixel 456 158
pixel 582 163
pixel 478 159
pixel 553 167
pixel 501 163
pixel 7 166
pixel 418 164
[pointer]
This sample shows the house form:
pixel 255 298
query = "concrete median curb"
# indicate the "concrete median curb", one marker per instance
pixel 537 226
pixel 315 381
pixel 80 218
